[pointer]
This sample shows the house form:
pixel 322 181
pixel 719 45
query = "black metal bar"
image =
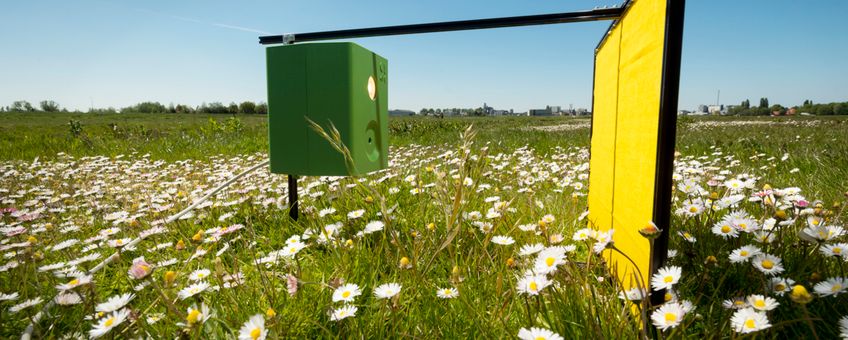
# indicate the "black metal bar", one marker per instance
pixel 669 94
pixel 462 25
pixel 293 206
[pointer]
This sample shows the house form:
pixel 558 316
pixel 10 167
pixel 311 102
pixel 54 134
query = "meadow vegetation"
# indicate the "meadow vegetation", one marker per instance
pixel 471 233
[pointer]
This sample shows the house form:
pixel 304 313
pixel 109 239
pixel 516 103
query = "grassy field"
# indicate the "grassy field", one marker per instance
pixel 481 230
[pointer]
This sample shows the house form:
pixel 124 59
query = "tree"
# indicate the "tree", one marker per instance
pixel 764 103
pixel 21 106
pixel 746 104
pixel 840 108
pixel 777 108
pixel 49 106
pixel 247 107
pixel 233 108
pixel 824 110
pixel 262 108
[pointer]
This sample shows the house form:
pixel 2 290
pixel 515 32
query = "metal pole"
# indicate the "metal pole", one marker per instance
pixel 462 25
pixel 293 197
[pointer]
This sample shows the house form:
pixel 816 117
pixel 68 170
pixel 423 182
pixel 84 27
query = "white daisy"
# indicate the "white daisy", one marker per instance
pixel 199 275
pixel 748 320
pixel 744 253
pixel 346 293
pixel 115 303
pixel 768 264
pixel 535 333
pixel 108 322
pixel 67 298
pixel 762 303
pixel 387 290
pixel 548 260
pixel 343 312
pixel 669 315
pixel 503 240
pixel 532 284
pixel 373 226
pixel 666 277
pixel 447 293
pixel 832 286
pixel 193 290
pixel 530 249
pixel 355 214
pixel 253 329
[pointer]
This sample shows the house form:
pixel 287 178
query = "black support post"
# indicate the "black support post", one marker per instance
pixel 293 206
pixel 462 25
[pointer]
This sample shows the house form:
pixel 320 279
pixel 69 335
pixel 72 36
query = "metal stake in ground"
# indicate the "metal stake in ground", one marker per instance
pixel 293 197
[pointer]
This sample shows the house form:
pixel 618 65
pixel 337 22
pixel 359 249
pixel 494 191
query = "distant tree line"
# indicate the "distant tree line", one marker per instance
pixel 457 111
pixel 763 109
pixel 246 107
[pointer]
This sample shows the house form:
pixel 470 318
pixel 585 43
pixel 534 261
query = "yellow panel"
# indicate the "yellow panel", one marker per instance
pixel 605 105
pixel 641 35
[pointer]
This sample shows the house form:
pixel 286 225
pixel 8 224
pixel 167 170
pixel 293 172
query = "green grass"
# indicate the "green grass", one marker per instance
pixel 450 252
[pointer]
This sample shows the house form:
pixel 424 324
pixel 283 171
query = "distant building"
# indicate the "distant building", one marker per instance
pixel 540 112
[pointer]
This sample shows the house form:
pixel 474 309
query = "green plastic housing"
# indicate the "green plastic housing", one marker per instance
pixel 340 83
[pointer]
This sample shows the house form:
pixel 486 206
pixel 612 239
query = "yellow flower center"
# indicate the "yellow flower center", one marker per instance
pixel 533 286
pixel 743 253
pixel 725 229
pixel 550 261
pixel 448 292
pixel 346 294
pixel 779 287
pixel 668 297
pixel 119 242
pixel 109 322
pixel 73 282
pixel 738 302
pixel 837 287
pixel 743 226
pixel 693 209
pixel 767 264
pixel 837 250
pixel 193 316
pixel 816 221
pixel 750 323
pixel 759 304
pixel 668 279
pixel 255 333
pixel 670 317
pixel 200 275
pixel 540 338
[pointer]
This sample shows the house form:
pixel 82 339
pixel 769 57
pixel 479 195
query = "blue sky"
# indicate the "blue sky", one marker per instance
pixel 120 53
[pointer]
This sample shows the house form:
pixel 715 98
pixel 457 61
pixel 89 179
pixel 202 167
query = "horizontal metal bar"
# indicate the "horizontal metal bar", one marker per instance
pixel 527 20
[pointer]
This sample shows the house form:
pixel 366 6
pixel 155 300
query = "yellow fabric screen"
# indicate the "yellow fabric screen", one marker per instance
pixel 625 126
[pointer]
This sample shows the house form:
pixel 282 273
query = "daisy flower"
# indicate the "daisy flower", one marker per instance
pixel 346 293
pixel 387 290
pixel 725 230
pixel 108 322
pixel 447 293
pixel 735 303
pixel 253 329
pixel 666 277
pixel 196 315
pixel 343 312
pixel 669 315
pixel 602 240
pixel 748 320
pixel 843 327
pixel 687 236
pixel 762 303
pixel 199 275
pixel 633 294
pixel 532 284
pixel 9 297
pixel 548 260
pixel 193 290
pixel 115 303
pixel 744 253
pixel 768 264
pixel 76 282
pixel 832 286
pixel 780 285
pixel 503 240
pixel 373 226
pixel 326 211
pixel 26 304
pixel 355 214
pixel 530 249
pixel 67 298
pixel 834 250
pixel 583 234
pixel 535 333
